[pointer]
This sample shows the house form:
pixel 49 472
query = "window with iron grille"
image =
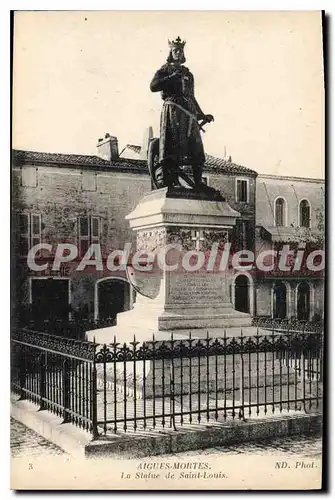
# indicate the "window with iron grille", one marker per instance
pixel 304 214
pixel 89 231
pixel 280 212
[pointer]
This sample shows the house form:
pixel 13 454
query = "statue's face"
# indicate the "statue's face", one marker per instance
pixel 177 54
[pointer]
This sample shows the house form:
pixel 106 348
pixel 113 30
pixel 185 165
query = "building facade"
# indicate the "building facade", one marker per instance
pixel 290 212
pixel 80 200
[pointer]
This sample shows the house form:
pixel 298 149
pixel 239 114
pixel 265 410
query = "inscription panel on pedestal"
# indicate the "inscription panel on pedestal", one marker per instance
pixel 195 288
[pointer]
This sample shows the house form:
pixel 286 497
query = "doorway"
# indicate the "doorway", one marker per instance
pixel 280 301
pixel 303 302
pixel 113 297
pixel 50 299
pixel 242 294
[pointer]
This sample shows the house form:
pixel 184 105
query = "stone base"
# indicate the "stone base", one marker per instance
pixel 187 298
pixel 200 376
pixel 144 328
pixel 152 317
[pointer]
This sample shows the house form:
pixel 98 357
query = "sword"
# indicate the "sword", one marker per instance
pixel 191 115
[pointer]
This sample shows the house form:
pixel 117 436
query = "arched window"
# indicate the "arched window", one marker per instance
pixel 280 212
pixel 304 214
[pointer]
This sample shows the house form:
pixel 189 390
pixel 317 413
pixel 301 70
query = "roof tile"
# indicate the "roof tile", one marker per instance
pixel 212 163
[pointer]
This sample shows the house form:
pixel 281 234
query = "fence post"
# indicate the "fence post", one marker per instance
pixel 172 388
pixel 241 410
pixel 302 370
pixel 42 359
pixel 321 354
pixel 94 395
pixel 66 391
pixel 22 371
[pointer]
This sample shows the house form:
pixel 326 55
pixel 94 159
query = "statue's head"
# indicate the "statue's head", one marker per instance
pixel 176 53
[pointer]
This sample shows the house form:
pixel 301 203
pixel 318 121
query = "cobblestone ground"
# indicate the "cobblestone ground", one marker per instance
pixel 26 442
pixel 302 446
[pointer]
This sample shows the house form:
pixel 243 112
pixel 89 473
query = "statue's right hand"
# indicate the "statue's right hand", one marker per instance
pixel 176 75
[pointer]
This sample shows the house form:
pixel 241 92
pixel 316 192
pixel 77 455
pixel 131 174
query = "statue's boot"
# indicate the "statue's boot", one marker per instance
pixel 197 175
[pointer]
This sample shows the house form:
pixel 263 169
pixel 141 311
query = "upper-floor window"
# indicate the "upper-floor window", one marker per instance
pixel 280 212
pixel 88 232
pixel 28 231
pixel 242 190
pixel 304 214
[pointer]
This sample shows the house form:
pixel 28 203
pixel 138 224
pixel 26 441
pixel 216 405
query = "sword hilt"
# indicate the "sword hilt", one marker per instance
pixel 202 123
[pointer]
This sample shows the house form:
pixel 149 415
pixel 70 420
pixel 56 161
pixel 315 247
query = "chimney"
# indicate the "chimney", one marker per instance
pixel 147 136
pixel 226 156
pixel 108 148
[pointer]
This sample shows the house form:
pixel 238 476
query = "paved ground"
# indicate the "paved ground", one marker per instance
pixel 26 442
pixel 304 446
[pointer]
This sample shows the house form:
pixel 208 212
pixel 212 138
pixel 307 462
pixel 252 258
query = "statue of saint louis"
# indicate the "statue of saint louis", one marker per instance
pixel 180 142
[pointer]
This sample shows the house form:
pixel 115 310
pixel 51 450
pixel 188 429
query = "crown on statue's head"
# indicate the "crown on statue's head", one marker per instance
pixel 177 43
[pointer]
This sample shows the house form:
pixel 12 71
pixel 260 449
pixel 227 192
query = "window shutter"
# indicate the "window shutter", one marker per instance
pixel 83 234
pixel 83 227
pixel 35 229
pixel 242 190
pixel 95 229
pixel 238 190
pixel 23 233
pixel 23 221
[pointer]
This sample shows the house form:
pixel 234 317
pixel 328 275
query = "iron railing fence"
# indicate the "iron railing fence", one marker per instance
pixel 130 386
pixel 56 373
pixel 172 382
pixel 288 325
pixel 74 329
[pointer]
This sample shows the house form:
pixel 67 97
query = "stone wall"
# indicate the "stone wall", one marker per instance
pixel 293 191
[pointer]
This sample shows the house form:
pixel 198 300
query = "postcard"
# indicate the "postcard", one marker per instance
pixel 168 249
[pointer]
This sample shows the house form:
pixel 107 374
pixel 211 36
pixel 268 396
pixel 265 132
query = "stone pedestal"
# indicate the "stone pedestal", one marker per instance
pixel 169 224
pixel 221 374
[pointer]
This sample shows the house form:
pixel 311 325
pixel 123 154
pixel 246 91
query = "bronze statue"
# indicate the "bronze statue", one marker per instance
pixel 180 142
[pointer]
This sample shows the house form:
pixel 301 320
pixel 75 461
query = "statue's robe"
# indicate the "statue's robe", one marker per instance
pixel 180 140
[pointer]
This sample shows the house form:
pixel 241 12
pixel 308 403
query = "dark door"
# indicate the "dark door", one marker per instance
pixel 50 299
pixel 280 301
pixel 242 294
pixel 112 298
pixel 303 305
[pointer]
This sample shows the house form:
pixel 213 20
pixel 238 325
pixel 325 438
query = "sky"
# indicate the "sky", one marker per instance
pixel 78 75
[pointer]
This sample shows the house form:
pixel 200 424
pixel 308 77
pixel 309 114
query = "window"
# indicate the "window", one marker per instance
pixel 242 236
pixel 280 212
pixel 242 190
pixel 29 177
pixel 35 229
pixel 88 181
pixel 28 231
pixel 304 214
pixel 88 232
